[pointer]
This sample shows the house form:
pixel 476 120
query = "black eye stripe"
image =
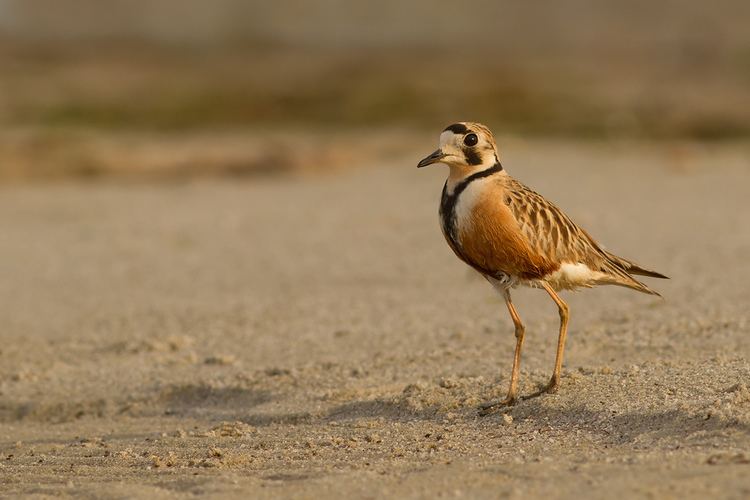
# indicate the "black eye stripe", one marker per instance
pixel 473 157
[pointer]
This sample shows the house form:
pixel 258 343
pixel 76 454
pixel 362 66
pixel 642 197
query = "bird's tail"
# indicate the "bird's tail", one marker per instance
pixel 622 269
pixel 631 267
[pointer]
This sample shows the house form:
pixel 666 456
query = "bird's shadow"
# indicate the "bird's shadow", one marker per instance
pixel 262 408
pixel 618 428
pixel 538 409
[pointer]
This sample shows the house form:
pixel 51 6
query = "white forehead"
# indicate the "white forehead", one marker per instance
pixel 447 137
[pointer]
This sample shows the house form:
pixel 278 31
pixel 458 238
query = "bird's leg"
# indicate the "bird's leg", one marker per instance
pixel 554 382
pixel 512 396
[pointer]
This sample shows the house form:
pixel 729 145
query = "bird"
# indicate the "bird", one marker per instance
pixel 514 237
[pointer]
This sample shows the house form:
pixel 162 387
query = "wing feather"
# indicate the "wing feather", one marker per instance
pixel 552 234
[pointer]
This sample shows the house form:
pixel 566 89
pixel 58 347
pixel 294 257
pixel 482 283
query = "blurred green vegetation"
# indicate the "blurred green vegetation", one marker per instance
pixel 166 89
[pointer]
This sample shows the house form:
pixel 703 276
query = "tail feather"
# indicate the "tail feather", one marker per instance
pixel 631 267
pixel 634 284
pixel 620 273
pixel 646 272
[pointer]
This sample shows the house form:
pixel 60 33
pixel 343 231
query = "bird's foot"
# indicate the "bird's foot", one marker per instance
pixel 493 406
pixel 552 386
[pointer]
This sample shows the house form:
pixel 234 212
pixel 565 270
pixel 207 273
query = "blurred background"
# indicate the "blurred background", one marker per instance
pixel 210 212
pixel 181 88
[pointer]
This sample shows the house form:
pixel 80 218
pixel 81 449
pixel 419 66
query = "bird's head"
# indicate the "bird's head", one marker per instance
pixel 465 147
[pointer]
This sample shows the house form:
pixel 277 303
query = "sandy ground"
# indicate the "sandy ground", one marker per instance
pixel 306 338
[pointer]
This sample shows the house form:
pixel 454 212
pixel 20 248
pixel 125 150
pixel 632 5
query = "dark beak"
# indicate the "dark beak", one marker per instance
pixel 433 158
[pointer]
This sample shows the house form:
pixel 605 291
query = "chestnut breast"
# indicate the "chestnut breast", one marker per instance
pixel 484 233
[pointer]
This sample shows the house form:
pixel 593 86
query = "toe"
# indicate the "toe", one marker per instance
pixel 552 386
pixel 493 406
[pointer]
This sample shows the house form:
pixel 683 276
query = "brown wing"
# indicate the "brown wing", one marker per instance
pixel 555 236
pixel 548 230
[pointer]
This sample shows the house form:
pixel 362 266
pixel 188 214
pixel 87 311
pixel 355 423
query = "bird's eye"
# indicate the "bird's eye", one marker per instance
pixel 471 140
